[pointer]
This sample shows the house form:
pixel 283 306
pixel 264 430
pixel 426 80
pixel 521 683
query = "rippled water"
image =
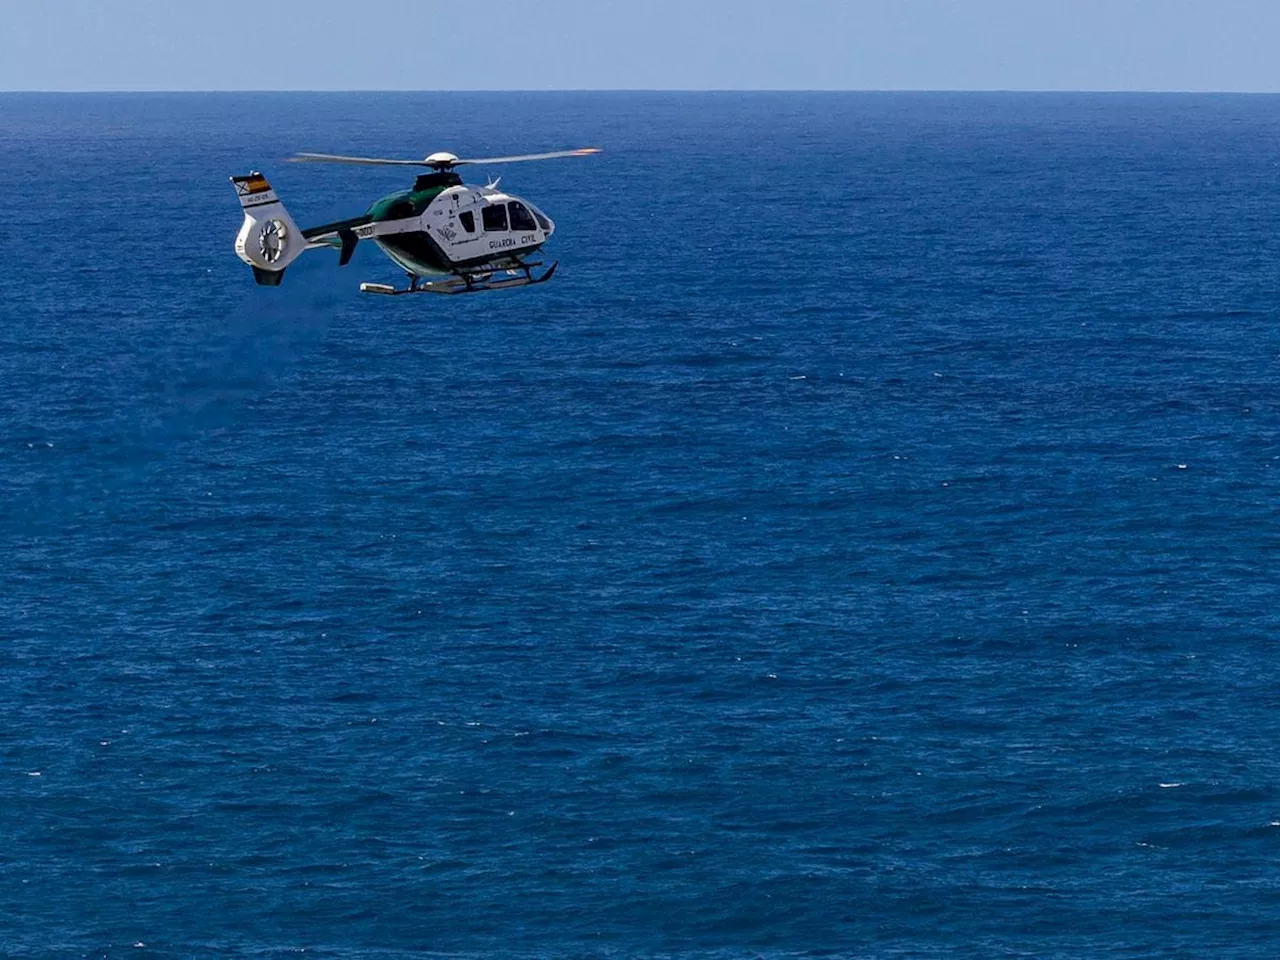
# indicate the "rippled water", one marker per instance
pixel 865 547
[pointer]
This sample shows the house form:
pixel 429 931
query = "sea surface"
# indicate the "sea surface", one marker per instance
pixel 867 546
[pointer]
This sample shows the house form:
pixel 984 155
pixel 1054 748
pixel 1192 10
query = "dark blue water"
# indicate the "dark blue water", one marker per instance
pixel 867 546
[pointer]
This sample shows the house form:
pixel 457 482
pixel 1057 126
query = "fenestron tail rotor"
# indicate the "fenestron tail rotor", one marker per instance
pixel 439 161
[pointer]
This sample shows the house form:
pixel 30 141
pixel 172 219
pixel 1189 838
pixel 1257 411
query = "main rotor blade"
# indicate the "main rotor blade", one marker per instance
pixel 584 152
pixel 439 164
pixel 367 161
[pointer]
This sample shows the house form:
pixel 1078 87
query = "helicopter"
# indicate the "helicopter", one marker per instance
pixel 440 228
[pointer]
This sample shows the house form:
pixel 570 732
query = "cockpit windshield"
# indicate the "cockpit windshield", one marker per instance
pixel 521 218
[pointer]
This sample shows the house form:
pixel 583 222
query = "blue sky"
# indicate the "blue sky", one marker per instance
pixel 651 44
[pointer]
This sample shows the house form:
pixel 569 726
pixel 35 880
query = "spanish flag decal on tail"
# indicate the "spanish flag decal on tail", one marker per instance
pixel 254 190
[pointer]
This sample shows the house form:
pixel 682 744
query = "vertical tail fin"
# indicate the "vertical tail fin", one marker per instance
pixel 269 240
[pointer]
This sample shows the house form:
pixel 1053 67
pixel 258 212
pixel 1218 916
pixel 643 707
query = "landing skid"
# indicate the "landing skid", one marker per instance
pixel 466 283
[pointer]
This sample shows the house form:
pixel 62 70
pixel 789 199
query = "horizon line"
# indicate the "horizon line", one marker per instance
pixel 1099 91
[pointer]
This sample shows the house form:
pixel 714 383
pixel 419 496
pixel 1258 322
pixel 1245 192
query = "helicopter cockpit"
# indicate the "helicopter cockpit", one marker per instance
pixel 501 215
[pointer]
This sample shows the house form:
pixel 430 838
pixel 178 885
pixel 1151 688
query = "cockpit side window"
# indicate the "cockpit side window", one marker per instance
pixel 468 221
pixel 543 222
pixel 521 218
pixel 494 217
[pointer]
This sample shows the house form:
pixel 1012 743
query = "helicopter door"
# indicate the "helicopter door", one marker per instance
pixel 495 218
pixel 496 233
pixel 467 238
pixel 460 234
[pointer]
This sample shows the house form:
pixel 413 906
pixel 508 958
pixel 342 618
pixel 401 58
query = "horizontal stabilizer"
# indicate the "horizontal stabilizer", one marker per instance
pixel 326 232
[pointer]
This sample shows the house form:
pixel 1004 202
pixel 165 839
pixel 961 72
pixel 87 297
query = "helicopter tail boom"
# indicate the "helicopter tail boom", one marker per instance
pixel 269 240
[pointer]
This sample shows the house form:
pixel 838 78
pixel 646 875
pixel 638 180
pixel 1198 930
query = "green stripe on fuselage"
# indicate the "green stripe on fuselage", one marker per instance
pixel 414 251
pixel 411 203
pixel 406 203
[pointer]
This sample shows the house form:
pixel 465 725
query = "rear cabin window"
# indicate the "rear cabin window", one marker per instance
pixel 495 217
pixel 468 221
pixel 521 218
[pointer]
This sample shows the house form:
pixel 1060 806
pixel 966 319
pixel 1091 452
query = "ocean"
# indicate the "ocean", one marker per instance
pixel 862 548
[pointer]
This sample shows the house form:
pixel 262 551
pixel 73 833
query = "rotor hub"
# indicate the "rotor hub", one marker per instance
pixel 442 161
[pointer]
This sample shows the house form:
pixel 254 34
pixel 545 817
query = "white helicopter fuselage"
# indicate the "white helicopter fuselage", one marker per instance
pixel 461 227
